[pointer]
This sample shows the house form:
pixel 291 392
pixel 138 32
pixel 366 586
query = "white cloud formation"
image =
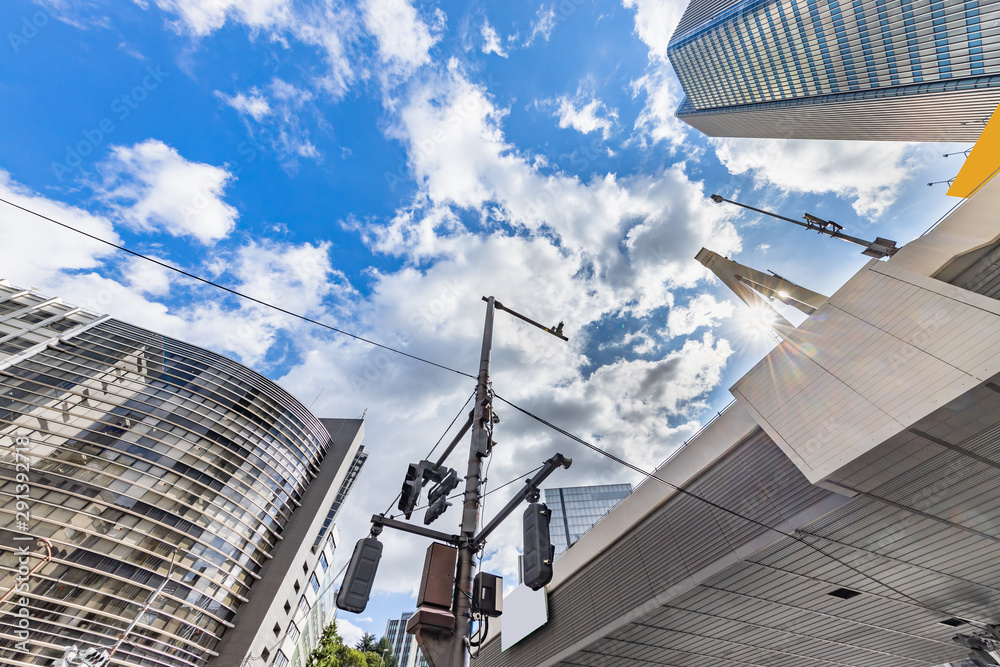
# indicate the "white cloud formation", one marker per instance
pixel 251 103
pixel 491 41
pixel 404 40
pixel 869 173
pixel 35 251
pixel 657 122
pixel 274 118
pixel 655 21
pixel 543 25
pixel 701 311
pixel 351 633
pixel 202 17
pixel 332 27
pixel 153 188
pixel 586 118
pixel 633 237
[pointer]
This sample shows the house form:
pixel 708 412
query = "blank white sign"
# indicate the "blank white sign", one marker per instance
pixel 524 611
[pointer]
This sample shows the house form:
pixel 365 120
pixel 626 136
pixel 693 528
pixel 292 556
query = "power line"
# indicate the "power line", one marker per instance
pixel 236 292
pixel 393 502
pixel 711 503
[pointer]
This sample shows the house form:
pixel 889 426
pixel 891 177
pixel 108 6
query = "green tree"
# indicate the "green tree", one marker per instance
pixel 384 645
pixel 332 652
pixel 367 643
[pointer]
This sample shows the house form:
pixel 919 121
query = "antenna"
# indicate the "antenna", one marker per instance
pixel 878 248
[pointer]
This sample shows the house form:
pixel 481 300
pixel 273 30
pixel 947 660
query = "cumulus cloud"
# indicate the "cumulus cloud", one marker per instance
pixel 657 122
pixel 701 311
pixel 153 187
pixel 655 21
pixel 35 250
pixel 491 41
pixel 586 118
pixel 869 173
pixel 404 40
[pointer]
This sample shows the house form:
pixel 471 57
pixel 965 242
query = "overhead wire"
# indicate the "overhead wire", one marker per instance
pixel 237 292
pixel 465 405
pixel 695 496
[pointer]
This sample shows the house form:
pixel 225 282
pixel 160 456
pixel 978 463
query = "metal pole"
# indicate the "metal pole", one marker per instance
pixel 470 514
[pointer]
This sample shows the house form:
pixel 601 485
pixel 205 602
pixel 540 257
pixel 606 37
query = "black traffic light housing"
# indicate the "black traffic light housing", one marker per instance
pixel 357 586
pixel 438 497
pixel 410 495
pixel 538 550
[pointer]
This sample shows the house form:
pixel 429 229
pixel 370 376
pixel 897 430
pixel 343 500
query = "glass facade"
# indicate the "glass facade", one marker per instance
pixel 137 449
pixel 730 55
pixel 404 646
pixel 576 509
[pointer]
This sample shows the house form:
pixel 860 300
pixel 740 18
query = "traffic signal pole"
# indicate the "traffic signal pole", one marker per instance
pixel 465 570
pixel 444 635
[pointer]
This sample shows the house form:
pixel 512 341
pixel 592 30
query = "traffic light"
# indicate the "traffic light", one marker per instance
pixel 538 549
pixel 410 494
pixel 357 587
pixel 438 497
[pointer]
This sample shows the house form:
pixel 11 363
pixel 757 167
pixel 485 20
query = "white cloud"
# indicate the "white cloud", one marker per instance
pixel 701 311
pixel 491 41
pixel 655 21
pixel 869 173
pixel 657 121
pixel 148 278
pixel 278 123
pixel 543 25
pixel 35 250
pixel 330 27
pixel 404 40
pixel 153 188
pixel 587 118
pixel 635 237
pixel 351 633
pixel 202 17
pixel 251 103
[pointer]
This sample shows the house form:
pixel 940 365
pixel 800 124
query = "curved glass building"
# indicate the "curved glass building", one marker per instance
pixel 153 495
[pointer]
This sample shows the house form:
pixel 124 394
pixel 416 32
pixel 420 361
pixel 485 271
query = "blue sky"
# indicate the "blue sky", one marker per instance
pixel 380 166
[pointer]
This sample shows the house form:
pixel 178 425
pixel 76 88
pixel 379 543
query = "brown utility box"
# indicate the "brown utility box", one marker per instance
pixel 437 584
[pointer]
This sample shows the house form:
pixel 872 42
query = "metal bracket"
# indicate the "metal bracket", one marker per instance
pixel 381 521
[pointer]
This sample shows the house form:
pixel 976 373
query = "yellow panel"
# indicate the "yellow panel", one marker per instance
pixel 983 161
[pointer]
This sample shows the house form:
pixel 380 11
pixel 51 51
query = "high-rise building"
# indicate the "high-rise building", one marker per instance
pixel 902 70
pixel 576 509
pixel 160 502
pixel 404 646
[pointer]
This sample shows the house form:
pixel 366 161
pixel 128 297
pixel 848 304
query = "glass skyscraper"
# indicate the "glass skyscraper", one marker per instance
pixel 157 501
pixel 576 509
pixel 908 70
